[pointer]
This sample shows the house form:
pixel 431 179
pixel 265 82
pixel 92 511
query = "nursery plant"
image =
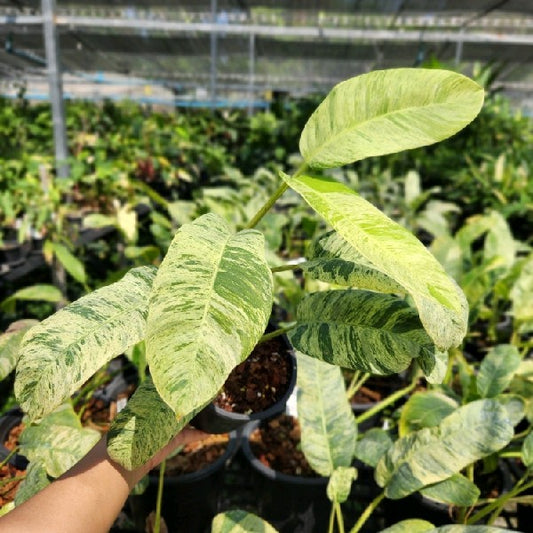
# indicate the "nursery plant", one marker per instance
pixel 202 311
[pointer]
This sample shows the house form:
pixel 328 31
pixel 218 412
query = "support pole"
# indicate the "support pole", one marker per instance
pixel 214 53
pixel 251 75
pixel 56 86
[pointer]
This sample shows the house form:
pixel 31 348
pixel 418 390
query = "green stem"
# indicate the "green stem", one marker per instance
pixel 340 520
pixel 276 333
pixel 267 206
pixel 331 518
pixel 385 403
pixel 9 455
pixel 367 512
pixel 496 505
pixel 356 383
pixel 5 482
pixel 523 434
pixel 157 523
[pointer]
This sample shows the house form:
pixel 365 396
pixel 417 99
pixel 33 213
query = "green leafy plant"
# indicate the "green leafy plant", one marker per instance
pixel 207 305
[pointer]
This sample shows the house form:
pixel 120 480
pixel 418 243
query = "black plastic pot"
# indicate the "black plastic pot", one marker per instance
pixel 190 501
pixel 8 421
pixel 213 419
pixel 292 504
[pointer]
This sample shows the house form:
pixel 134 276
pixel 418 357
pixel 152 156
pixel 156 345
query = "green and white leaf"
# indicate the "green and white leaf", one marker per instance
pixel 430 455
pixel 459 528
pixel 434 365
pixel 514 405
pixel 239 521
pixel 413 525
pixel 393 250
pixel 10 345
pixel 527 451
pixel 334 260
pixel 71 263
pixel 210 305
pixel 36 480
pixel 497 370
pixel 61 353
pixel 372 446
pixel 143 427
pixel 388 111
pixel 340 483
pixel 499 241
pixel 520 295
pixel 362 330
pixel 58 441
pixel 328 427
pixel 456 490
pixel 425 410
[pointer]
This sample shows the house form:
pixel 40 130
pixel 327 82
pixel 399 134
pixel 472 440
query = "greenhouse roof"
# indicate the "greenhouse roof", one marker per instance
pixel 245 49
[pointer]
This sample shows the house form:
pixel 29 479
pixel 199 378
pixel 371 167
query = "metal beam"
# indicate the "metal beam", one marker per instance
pixel 56 87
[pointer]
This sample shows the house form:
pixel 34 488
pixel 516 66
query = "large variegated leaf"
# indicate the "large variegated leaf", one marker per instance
pixel 522 303
pixel 10 344
pixel 340 483
pixel 388 111
pixel 514 405
pixel 394 251
pixel 36 480
pixel 413 525
pixel 456 490
pixel 425 410
pixel 329 431
pixel 434 365
pixel 333 260
pixel 238 521
pixel 58 441
pixel 363 330
pixel 210 304
pixel 430 455
pixel 143 427
pixel 497 370
pixel 459 528
pixel 65 350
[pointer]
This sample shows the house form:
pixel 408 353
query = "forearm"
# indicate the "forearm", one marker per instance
pixel 87 498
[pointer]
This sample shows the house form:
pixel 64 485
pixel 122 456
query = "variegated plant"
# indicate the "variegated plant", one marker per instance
pixel 207 305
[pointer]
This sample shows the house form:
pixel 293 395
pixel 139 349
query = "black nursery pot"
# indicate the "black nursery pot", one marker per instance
pixel 8 421
pixel 214 419
pixel 292 504
pixel 190 501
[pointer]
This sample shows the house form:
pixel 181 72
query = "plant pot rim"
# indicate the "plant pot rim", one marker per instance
pixel 214 419
pixel 269 472
pixel 192 477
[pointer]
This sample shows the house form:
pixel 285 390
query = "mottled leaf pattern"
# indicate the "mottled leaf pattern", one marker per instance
pixel 10 344
pixel 456 490
pixel 458 528
pixel 36 480
pixel 65 350
pixel 394 251
pixel 497 370
pixel 340 483
pixel 334 260
pixel 430 455
pixel 514 405
pixel 363 330
pixel 210 304
pixel 372 446
pixel 388 111
pixel 143 427
pixel 425 410
pixel 434 365
pixel 58 441
pixel 239 521
pixel 329 431
pixel 527 450
pixel 414 525
pixel 520 295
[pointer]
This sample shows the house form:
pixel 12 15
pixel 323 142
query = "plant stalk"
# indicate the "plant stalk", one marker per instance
pixel 276 333
pixel 367 512
pixel 285 268
pixel 157 522
pixel 385 403
pixel 267 206
pixel 331 518
pixel 356 383
pixel 340 520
